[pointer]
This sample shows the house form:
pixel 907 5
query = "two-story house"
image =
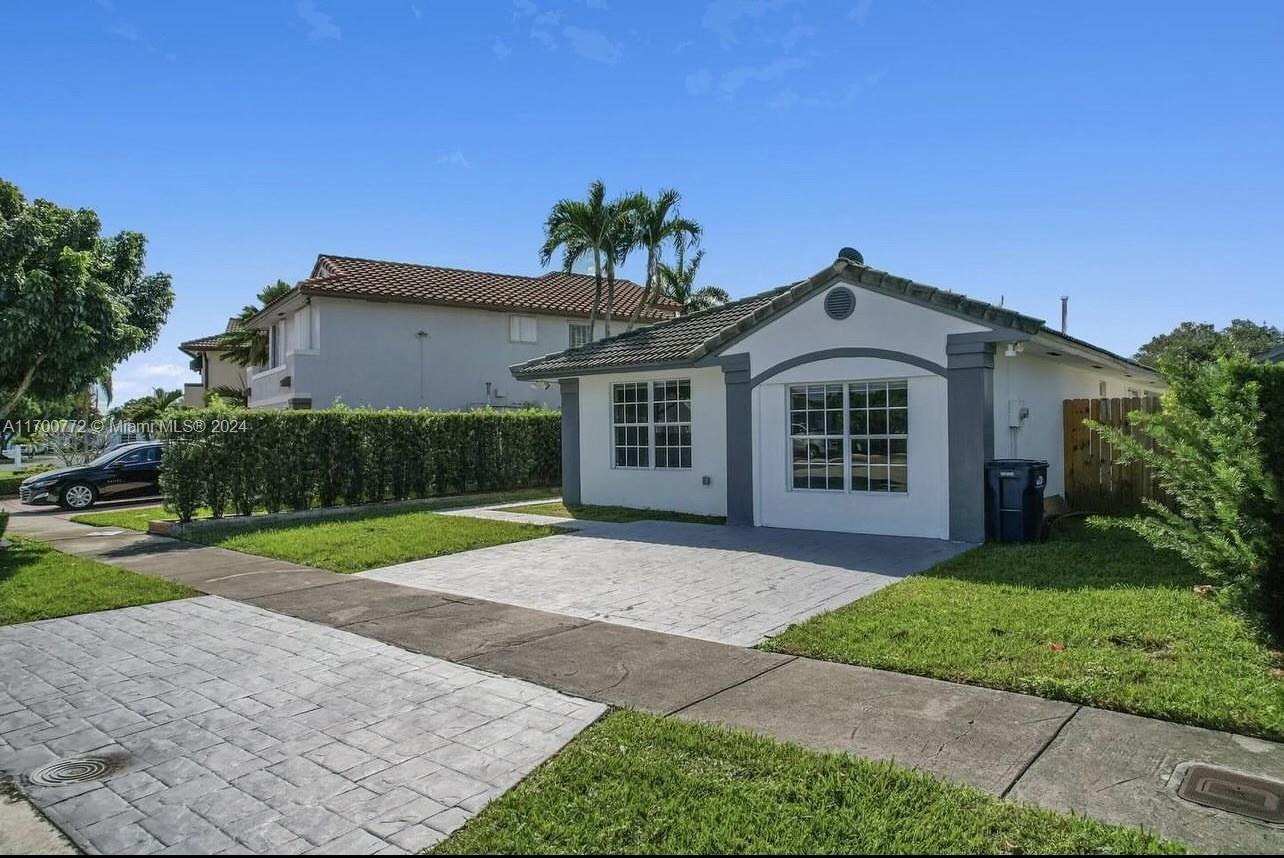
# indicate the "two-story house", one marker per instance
pixel 217 373
pixel 366 332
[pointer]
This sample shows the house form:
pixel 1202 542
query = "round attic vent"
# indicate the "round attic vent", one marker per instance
pixel 839 303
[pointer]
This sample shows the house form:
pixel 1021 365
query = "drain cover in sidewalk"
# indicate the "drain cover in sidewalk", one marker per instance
pixel 1236 792
pixel 76 771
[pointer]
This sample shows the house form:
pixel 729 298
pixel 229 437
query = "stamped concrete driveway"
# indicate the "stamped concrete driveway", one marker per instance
pixel 733 585
pixel 224 727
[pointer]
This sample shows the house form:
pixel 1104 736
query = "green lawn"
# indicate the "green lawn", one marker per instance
pixel 1093 616
pixel 638 783
pixel 38 583
pixel 365 541
pixel 615 513
pixel 137 517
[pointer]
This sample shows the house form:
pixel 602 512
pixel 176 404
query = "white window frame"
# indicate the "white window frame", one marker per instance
pixel 651 425
pixel 846 435
pixel 519 329
pixel 585 328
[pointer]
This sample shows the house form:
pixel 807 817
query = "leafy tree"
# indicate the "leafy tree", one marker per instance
pixel 678 283
pixel 1207 453
pixel 73 304
pixel 145 409
pixel 656 223
pixel 1193 343
pixel 594 226
pixel 225 396
pixel 247 346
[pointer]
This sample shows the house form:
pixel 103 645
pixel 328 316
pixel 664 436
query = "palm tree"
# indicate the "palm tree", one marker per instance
pixel 246 346
pixel 657 222
pixel 604 229
pixel 623 218
pixel 577 228
pixel 145 409
pixel 678 282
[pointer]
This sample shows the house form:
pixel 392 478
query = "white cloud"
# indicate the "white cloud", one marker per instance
pixel 500 49
pixel 723 16
pixel 542 28
pixel 125 30
pixel 698 82
pixel 593 45
pixel 133 380
pixel 320 25
pixel 731 81
pixel 860 11
pixel 455 159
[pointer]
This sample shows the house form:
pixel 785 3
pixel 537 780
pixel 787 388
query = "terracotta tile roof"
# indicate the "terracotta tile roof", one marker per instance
pixel 554 293
pixel 673 341
pixel 212 342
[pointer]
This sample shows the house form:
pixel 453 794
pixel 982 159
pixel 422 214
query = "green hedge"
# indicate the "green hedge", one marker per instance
pixel 9 482
pixel 237 460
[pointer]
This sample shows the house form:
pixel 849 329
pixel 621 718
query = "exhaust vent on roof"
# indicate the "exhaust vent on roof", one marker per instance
pixel 851 254
pixel 839 302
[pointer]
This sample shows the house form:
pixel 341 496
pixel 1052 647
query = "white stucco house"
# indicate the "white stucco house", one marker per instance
pixel 853 400
pixel 207 357
pixel 367 332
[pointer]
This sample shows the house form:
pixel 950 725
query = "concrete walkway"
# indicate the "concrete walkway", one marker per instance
pixel 1115 767
pixel 674 577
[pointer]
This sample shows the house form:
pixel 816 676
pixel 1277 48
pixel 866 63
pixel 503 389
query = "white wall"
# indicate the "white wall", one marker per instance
pixel 1043 384
pixel 921 511
pixel 877 322
pixel 668 489
pixel 367 353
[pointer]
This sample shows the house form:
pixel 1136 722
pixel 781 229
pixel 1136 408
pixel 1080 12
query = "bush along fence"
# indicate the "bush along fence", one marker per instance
pixel 239 461
pixel 1096 476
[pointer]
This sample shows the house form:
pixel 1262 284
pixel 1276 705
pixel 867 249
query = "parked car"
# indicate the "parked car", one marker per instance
pixel 128 471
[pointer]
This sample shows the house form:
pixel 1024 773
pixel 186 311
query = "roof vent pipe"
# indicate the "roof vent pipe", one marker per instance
pixel 1065 311
pixel 851 254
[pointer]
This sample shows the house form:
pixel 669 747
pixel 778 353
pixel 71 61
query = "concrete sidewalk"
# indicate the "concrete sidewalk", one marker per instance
pixel 1115 767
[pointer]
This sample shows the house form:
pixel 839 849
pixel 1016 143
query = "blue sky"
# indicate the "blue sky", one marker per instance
pixel 1130 155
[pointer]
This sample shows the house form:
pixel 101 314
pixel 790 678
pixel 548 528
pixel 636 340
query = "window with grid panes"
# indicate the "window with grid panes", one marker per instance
pixel 671 411
pixel 878 432
pixel 631 422
pixel 816 436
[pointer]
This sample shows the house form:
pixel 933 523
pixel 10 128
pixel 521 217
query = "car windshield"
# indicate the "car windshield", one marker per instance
pixel 110 456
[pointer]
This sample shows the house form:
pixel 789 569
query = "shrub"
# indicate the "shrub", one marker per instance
pixel 1210 456
pixel 297 459
pixel 183 476
pixel 9 482
pixel 4 521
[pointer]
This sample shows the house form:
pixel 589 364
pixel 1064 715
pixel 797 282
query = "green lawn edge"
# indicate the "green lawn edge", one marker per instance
pixel 38 582
pixel 136 518
pixel 617 514
pixel 639 783
pixel 1094 616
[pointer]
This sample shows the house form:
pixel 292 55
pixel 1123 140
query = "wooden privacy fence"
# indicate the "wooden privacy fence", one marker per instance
pixel 1094 480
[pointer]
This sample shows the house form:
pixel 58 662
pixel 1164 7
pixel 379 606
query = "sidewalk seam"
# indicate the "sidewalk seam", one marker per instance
pixel 1042 750
pixel 761 673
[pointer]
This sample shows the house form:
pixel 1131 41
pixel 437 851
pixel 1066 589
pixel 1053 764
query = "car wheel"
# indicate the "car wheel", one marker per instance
pixel 78 496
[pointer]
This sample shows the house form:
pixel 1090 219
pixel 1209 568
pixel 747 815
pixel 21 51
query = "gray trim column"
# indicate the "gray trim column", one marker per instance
pixel 570 440
pixel 970 381
pixel 739 386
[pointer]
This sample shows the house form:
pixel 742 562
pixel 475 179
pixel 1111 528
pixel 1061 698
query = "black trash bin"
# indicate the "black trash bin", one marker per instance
pixel 1014 499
